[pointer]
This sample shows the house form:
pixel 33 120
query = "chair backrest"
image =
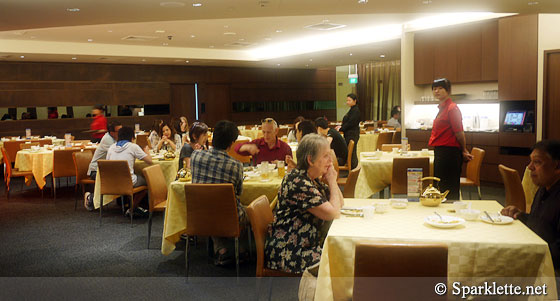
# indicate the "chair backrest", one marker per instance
pixel 389 147
pixel 63 163
pixel 45 142
pixel 260 216
pixel 114 177
pixel 283 131
pixel 28 145
pixel 81 163
pixel 350 185
pixel 396 137
pixel 384 138
pixel 399 174
pixel 157 187
pixel 7 164
pixel 473 167
pixel 351 146
pixel 12 147
pixel 142 140
pixel 335 162
pixel 514 190
pixel 390 127
pixel 380 269
pixel 211 210
pixel 232 153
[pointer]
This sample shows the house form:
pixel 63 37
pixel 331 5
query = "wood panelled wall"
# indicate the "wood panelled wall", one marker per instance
pixel 34 84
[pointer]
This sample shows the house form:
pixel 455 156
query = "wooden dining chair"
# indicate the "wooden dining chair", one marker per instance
pixel 473 171
pixel 349 183
pixel 63 166
pixel 400 169
pixel 43 142
pixel 396 136
pixel 383 138
pixel 28 145
pixel 157 193
pixel 283 131
pixel 10 172
pixel 142 140
pixel 115 179
pixel 12 147
pixel 389 127
pixel 260 216
pixel 232 153
pixel 399 271
pixel 348 165
pixel 515 195
pixel 389 147
pixel 81 166
pixel 211 211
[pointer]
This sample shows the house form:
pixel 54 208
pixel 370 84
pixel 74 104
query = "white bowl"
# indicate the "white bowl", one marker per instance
pixel 399 204
pixel 381 207
pixel 469 214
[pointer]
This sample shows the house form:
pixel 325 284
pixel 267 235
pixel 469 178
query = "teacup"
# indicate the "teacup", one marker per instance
pixel 469 214
pixel 381 207
pixel 369 212
pixel 458 206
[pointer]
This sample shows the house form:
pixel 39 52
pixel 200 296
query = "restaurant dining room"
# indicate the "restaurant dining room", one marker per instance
pixel 280 150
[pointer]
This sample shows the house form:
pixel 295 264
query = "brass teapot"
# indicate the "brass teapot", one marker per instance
pixel 169 155
pixel 184 175
pixel 431 196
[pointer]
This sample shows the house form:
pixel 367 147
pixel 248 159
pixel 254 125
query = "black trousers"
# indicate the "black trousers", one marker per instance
pixel 447 166
pixel 354 155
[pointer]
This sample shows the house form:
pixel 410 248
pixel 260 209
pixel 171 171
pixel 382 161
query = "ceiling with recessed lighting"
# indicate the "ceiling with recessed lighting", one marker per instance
pixel 257 33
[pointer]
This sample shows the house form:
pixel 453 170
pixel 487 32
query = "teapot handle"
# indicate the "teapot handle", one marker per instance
pixel 430 178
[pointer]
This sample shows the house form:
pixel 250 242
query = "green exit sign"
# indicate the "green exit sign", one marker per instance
pixel 353 80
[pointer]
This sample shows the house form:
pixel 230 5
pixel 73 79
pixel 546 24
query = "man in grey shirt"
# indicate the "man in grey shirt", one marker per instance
pixel 395 116
pixel 108 139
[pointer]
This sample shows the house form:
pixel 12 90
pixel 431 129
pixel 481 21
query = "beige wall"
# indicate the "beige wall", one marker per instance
pixel 343 88
pixel 549 33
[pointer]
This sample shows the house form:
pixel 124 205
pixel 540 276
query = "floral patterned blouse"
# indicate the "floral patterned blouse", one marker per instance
pixel 294 240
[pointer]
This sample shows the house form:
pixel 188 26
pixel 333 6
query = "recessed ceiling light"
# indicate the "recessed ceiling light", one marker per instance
pixel 426 2
pixel 226 26
pixel 278 31
pixel 268 39
pixel 164 44
pixel 382 56
pixel 172 4
pixel 90 40
pixel 362 1
pixel 211 46
pixel 74 58
pixel 350 54
pixel 311 60
pixel 160 31
pixel 193 36
pixel 533 3
pixel 197 4
pixel 278 65
pixel 73 10
pixel 23 56
pixel 109 30
pixel 229 33
pixel 241 39
pixel 186 61
pixel 143 60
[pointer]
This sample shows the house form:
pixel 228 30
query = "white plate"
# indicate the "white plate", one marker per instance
pixel 448 221
pixel 498 220
pixel 352 211
pixel 266 180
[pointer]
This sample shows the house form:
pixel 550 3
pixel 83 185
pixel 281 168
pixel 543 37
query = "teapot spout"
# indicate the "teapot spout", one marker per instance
pixel 443 195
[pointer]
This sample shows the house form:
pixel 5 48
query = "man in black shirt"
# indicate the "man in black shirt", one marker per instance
pixel 544 218
pixel 338 144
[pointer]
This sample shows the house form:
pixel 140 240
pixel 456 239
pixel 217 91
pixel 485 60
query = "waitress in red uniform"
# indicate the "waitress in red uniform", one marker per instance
pixel 98 127
pixel 448 140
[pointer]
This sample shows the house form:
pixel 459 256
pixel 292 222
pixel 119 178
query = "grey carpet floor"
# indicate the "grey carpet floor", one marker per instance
pixel 49 249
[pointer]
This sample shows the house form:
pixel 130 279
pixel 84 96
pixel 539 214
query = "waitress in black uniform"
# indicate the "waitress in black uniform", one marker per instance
pixel 351 125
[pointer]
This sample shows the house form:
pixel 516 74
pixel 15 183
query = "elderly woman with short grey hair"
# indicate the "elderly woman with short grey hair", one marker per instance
pixel 305 203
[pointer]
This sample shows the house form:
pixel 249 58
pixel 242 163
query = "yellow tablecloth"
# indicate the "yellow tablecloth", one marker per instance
pixel 476 249
pixel 55 141
pixel 376 174
pixel 39 163
pixel 253 134
pixel 175 222
pixel 367 143
pixel 529 188
pixel 169 169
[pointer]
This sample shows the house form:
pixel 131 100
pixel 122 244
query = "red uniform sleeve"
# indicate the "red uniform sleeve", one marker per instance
pixel 456 120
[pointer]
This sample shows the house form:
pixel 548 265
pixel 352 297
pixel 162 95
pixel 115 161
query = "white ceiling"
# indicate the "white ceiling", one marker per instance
pixel 219 32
